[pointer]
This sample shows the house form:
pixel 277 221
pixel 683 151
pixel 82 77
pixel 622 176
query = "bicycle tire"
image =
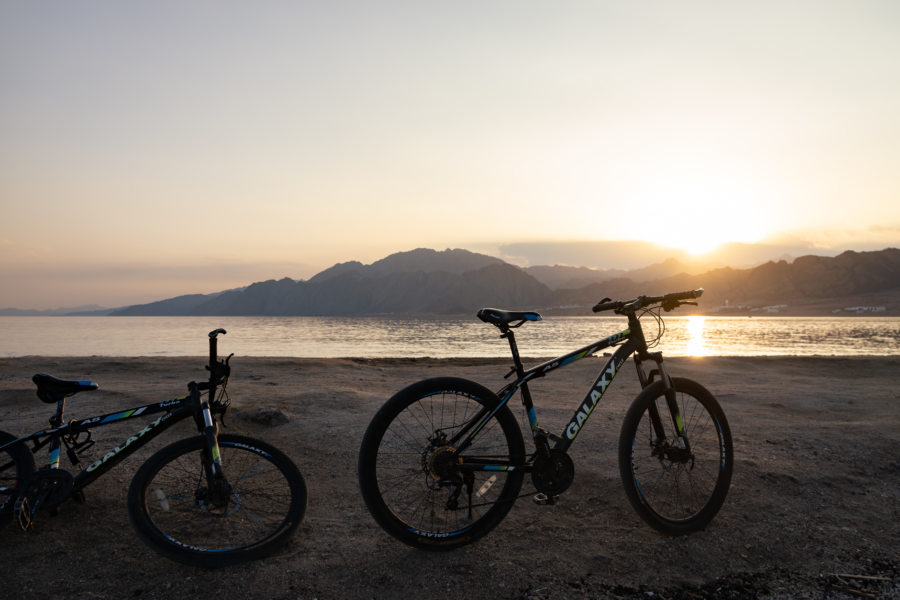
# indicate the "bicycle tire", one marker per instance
pixel 16 466
pixel 169 502
pixel 399 451
pixel 673 492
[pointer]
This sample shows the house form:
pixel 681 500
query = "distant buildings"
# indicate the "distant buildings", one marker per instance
pixel 775 308
pixel 866 309
pixel 728 307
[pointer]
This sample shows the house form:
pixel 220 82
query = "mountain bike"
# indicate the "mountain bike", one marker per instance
pixel 209 500
pixel 443 460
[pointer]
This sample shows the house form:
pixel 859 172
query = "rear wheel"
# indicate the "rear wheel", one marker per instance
pixel 676 490
pixel 416 484
pixel 253 511
pixel 16 466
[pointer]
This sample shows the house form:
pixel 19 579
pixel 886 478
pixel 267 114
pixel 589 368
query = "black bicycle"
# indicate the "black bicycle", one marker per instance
pixel 443 460
pixel 210 500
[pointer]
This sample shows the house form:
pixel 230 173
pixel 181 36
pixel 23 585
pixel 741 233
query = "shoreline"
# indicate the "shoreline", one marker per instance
pixel 391 359
pixel 891 310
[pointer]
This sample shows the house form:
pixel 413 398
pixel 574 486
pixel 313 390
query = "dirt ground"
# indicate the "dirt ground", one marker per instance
pixel 813 510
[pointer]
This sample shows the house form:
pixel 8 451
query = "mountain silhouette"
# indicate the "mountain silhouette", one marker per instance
pixel 424 281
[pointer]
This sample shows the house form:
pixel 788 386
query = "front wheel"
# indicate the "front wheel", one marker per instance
pixel 254 510
pixel 674 487
pixel 420 478
pixel 16 466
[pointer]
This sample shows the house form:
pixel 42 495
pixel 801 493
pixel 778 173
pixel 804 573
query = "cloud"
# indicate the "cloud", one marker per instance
pixel 595 254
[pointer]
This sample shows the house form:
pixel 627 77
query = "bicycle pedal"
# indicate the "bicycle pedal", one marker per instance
pixel 542 499
pixel 24 514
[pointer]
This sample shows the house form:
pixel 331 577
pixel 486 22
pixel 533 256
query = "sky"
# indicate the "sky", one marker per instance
pixel 152 149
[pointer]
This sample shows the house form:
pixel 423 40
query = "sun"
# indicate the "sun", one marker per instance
pixel 699 210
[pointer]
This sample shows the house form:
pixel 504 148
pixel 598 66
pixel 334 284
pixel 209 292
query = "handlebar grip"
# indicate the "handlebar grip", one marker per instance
pixel 605 304
pixel 676 299
pixel 688 295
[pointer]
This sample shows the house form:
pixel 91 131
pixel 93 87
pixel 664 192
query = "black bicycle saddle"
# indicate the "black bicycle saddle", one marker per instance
pixel 499 317
pixel 50 389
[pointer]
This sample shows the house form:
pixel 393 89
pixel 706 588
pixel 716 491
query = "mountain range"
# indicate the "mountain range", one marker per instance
pixel 425 281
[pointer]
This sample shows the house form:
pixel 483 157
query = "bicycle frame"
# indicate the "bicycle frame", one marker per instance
pixel 174 411
pixel 632 343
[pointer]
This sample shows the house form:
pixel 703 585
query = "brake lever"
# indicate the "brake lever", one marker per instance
pixel 670 306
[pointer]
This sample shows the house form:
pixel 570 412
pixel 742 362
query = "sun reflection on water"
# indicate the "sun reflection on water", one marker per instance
pixel 696 345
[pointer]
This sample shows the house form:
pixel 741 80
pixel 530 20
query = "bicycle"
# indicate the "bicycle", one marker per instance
pixel 210 500
pixel 443 460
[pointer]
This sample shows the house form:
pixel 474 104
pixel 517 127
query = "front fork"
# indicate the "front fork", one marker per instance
pixel 671 399
pixel 211 433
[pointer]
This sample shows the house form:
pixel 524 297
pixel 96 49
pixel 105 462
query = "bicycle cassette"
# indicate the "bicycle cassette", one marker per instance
pixel 553 474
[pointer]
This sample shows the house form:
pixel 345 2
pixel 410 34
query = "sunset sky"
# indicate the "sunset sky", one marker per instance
pixel 151 149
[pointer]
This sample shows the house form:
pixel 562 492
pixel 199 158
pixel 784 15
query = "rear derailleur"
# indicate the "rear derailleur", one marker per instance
pixel 459 480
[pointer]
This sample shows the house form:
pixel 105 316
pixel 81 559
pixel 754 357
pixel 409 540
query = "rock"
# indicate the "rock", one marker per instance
pixel 266 416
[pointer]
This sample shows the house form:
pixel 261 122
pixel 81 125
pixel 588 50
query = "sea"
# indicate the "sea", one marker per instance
pixel 463 337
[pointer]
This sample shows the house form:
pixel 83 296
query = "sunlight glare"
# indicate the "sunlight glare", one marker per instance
pixel 696 345
pixel 700 208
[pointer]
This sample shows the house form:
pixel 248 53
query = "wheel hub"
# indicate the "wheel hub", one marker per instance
pixel 673 454
pixel 440 463
pixel 215 500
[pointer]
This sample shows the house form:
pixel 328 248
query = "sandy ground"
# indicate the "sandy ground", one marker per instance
pixel 813 511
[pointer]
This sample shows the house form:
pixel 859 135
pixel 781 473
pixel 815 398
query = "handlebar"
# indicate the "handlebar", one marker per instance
pixel 218 369
pixel 668 302
pixel 213 344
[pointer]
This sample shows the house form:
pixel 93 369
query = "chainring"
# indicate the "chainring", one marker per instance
pixel 46 489
pixel 51 486
pixel 553 474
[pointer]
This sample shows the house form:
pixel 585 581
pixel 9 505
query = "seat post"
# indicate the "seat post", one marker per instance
pixel 510 336
pixel 57 419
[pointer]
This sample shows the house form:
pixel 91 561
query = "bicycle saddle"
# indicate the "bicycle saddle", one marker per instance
pixel 499 317
pixel 50 389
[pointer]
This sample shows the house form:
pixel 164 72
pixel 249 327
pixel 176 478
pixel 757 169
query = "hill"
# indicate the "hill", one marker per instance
pixel 458 281
pixel 559 277
pixel 87 311
pixel 808 285
pixel 419 281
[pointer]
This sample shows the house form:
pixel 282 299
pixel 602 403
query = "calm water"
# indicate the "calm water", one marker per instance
pixel 452 337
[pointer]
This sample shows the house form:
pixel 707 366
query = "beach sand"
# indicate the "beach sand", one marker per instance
pixel 814 504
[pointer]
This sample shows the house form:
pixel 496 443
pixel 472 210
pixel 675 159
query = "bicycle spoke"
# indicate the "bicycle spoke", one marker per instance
pixel 412 475
pixel 673 489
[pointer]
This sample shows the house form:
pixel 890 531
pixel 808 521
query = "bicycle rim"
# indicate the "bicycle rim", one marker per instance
pixel 429 503
pixel 16 466
pixel 679 492
pixel 180 516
